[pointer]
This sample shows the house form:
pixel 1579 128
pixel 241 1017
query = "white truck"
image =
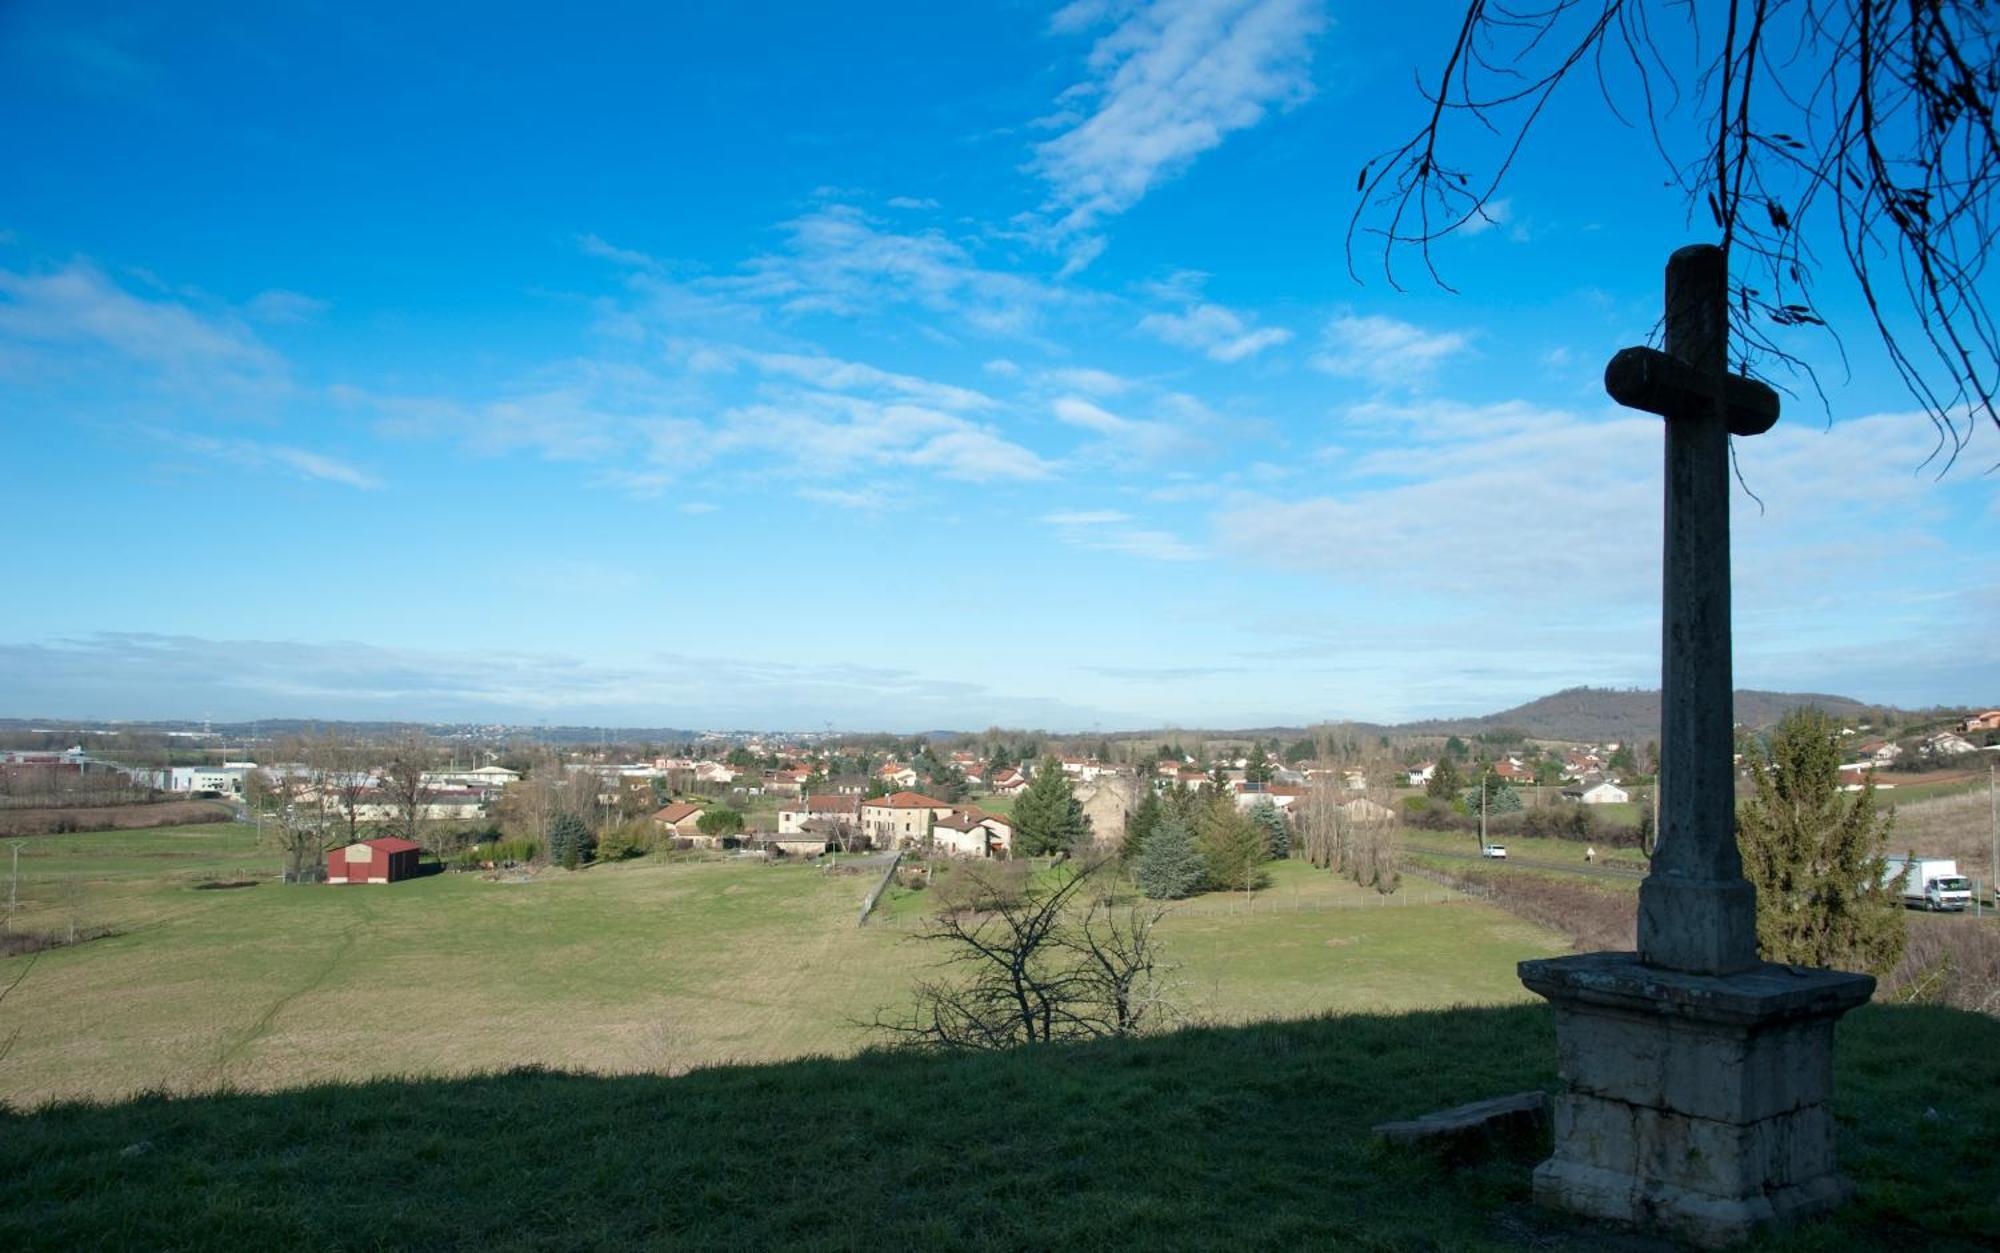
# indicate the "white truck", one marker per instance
pixel 1927 882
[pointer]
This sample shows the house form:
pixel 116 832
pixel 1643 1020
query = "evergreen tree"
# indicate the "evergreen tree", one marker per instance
pixel 1257 769
pixel 1445 780
pixel 1170 867
pixel 1139 824
pixel 1232 845
pixel 570 844
pixel 1815 857
pixel 1277 837
pixel 1500 798
pixel 1048 818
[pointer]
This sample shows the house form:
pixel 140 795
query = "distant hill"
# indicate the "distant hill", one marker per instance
pixel 1600 714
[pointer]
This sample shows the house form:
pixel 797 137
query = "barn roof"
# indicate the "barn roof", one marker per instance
pixel 391 844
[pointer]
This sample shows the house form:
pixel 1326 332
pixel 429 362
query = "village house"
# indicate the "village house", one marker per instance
pixel 897 776
pixel 1282 796
pixel 1083 769
pixel 1981 722
pixel 971 832
pixel 679 818
pixel 900 819
pixel 824 807
pixel 714 772
pixel 1881 752
pixel 1601 793
pixel 1948 744
pixel 1421 775
pixel 1514 770
pixel 1007 781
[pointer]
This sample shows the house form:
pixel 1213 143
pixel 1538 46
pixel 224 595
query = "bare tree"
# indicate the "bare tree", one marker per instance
pixel 1864 124
pixel 404 786
pixel 1053 960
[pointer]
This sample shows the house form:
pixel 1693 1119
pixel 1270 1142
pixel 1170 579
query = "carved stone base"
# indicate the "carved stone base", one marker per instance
pixel 1694 1104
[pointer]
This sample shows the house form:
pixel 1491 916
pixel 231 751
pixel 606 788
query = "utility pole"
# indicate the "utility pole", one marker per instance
pixel 1993 826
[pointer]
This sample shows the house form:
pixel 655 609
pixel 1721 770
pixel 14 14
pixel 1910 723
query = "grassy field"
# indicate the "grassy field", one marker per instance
pixel 652 965
pixel 1226 1138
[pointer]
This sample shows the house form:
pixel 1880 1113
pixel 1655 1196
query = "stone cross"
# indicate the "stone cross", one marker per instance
pixel 1697 913
pixel 1695 1078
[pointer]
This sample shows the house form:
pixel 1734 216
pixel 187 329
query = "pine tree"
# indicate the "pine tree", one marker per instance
pixel 1048 818
pixel 1277 836
pixel 1139 824
pixel 1815 857
pixel 1445 780
pixel 1231 844
pixel 1170 867
pixel 569 841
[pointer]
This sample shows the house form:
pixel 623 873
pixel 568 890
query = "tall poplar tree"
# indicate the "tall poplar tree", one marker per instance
pixel 1815 854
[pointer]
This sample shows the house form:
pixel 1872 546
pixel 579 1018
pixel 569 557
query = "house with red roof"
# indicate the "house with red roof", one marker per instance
pixel 901 819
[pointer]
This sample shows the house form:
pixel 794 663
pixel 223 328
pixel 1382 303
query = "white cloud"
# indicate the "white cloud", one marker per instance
pixel 1385 351
pixel 911 202
pixel 1079 412
pixel 1095 382
pixel 254 455
pixel 1212 329
pixel 698 507
pixel 283 307
pixel 1493 213
pixel 1171 80
pixel 76 317
pixel 594 246
pixel 1104 530
pixel 840 261
pixel 838 375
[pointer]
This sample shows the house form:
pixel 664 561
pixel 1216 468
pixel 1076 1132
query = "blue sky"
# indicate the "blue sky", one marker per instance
pixel 899 366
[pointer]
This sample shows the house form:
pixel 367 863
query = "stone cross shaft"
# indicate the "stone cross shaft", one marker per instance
pixel 1697 913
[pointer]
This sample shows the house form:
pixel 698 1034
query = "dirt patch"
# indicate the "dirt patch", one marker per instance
pixel 61 821
pixel 1592 917
pixel 1342 941
pixel 218 885
pixel 20 943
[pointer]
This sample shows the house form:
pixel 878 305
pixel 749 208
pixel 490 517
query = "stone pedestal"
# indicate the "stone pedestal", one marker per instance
pixel 1695 1104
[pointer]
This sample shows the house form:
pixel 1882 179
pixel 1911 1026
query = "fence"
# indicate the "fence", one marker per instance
pixel 881 886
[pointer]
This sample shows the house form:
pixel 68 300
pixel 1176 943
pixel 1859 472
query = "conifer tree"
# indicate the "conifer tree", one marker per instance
pixel 1170 866
pixel 1277 836
pixel 569 841
pixel 1139 824
pixel 1445 780
pixel 1231 844
pixel 1048 818
pixel 1815 856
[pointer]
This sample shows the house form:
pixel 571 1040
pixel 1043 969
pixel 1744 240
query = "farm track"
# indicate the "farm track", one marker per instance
pixel 1595 870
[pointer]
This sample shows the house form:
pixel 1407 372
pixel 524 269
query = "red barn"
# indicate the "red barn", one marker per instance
pixel 373 861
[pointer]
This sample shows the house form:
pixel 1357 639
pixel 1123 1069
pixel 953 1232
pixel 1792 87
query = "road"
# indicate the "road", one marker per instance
pixel 1596 870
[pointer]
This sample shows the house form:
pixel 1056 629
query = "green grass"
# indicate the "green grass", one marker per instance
pixel 1246 1137
pixel 998 806
pixel 651 965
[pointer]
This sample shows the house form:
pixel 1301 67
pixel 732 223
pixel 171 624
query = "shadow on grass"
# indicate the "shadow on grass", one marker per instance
pixel 1225 1138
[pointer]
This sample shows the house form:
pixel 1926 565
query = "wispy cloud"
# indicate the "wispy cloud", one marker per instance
pixel 120 674
pixel 1169 81
pixel 1385 351
pixel 839 260
pixel 76 317
pixel 255 455
pixel 281 307
pixel 1106 530
pixel 1221 333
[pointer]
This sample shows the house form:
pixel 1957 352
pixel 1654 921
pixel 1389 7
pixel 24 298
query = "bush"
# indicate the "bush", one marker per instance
pixel 633 838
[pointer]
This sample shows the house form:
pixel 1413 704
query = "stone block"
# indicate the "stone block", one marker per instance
pixel 1471 1132
pixel 1692 1103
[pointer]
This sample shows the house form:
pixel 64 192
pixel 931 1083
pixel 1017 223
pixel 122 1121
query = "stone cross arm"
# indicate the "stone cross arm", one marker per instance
pixel 1659 382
